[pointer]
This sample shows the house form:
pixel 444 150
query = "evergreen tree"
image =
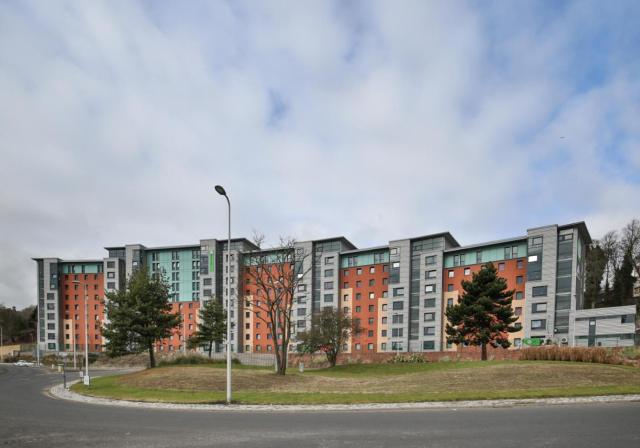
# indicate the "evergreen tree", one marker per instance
pixel 596 262
pixel 139 315
pixel 212 327
pixel 483 315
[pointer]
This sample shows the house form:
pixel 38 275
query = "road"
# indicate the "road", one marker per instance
pixel 30 418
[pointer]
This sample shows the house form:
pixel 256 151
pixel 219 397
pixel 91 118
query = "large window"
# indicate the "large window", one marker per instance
pixel 539 324
pixel 539 291
pixel 398 305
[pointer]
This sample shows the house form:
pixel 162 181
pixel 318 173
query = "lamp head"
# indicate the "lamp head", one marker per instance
pixel 220 190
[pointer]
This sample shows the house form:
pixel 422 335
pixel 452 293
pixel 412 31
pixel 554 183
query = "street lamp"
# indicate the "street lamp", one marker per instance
pixel 86 378
pixel 222 192
pixel 1 347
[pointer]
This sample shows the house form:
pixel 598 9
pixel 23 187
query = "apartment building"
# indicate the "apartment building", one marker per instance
pixel 397 292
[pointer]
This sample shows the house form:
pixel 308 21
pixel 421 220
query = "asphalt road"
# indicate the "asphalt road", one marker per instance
pixel 30 418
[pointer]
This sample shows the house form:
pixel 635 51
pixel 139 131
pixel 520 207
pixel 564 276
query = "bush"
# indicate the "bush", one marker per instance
pixel 193 359
pixel 414 358
pixel 576 354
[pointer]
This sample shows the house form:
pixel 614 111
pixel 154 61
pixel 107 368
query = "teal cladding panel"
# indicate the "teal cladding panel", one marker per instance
pixel 489 254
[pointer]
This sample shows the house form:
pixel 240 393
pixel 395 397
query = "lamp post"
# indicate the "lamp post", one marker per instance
pixel 222 192
pixel 73 339
pixel 1 347
pixel 86 379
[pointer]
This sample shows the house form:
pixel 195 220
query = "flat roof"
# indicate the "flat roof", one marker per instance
pixel 582 228
pixel 366 249
pixel 447 236
pixel 335 238
pixel 488 243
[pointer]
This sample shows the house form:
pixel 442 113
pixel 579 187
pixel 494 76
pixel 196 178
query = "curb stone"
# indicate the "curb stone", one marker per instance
pixel 59 391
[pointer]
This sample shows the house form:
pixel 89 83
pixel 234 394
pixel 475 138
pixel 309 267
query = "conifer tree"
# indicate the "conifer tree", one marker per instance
pixel 212 327
pixel 484 315
pixel 139 315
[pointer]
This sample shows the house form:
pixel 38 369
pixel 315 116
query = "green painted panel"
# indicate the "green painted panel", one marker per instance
pixel 488 254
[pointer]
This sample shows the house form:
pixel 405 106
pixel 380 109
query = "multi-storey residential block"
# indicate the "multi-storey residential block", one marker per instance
pixel 398 292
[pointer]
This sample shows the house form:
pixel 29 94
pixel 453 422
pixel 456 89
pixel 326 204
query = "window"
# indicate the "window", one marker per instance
pixel 398 305
pixel 450 287
pixel 429 331
pixel 345 285
pixel 539 308
pixel 539 291
pixel 372 282
pixel 328 260
pixel 398 292
pixel 467 271
pixel 328 285
pixel 357 346
pixel 429 303
pixel 451 274
pixel 431 259
pixel 395 332
pixel 430 274
pixel 328 272
pixel 372 308
pixel 358 283
pixel 397 319
pixel 111 275
pixel 519 295
pixel 385 281
pixel 517 342
pixel 358 296
pixel 369 346
pixel 302 288
pixel 519 279
pixel 372 295
pixel 383 321
pixel 372 269
pixel 358 309
pixel 302 311
pixel 520 264
pixel 429 317
pixel 533 258
pixel 359 271
pixel 393 251
pixel 385 294
pixel 429 288
pixel 384 307
pixel 395 264
pixel 428 345
pixel 500 266
pixel 449 302
pixel 539 324
pixel 328 297
pixel 518 311
pixel 627 319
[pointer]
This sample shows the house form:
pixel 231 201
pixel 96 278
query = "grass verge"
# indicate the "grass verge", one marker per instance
pixel 369 383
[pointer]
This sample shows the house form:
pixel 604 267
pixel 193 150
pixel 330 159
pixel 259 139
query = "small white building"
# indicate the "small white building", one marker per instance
pixel 605 327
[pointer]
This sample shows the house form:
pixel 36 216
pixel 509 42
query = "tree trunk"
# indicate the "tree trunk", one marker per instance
pixel 484 351
pixel 210 348
pixel 152 358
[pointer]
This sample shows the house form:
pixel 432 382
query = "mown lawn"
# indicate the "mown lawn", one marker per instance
pixel 371 383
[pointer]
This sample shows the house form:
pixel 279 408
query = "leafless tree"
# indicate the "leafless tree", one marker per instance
pixel 631 242
pixel 611 248
pixel 275 274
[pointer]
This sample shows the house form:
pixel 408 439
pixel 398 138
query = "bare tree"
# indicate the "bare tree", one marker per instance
pixel 631 243
pixel 275 274
pixel 611 248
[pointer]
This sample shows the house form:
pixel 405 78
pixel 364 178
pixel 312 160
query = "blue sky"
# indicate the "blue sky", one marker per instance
pixel 375 120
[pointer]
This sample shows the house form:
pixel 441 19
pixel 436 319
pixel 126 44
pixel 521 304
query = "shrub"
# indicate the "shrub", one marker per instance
pixel 193 359
pixel 413 358
pixel 576 354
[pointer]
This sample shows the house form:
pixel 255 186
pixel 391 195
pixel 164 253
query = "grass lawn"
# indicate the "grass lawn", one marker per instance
pixel 370 383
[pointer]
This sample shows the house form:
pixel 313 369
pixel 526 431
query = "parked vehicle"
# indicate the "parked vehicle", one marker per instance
pixel 23 363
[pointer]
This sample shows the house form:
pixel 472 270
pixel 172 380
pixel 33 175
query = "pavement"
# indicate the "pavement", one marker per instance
pixel 30 417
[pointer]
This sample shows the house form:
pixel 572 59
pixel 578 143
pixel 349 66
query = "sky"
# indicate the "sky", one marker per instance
pixel 376 120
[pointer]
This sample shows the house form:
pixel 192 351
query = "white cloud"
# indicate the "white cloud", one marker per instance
pixel 396 119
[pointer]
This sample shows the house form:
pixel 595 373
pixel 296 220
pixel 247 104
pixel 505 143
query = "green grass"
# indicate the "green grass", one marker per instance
pixel 606 379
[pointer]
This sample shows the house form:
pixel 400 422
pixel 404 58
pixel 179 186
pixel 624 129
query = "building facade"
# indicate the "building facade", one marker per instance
pixel 398 292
